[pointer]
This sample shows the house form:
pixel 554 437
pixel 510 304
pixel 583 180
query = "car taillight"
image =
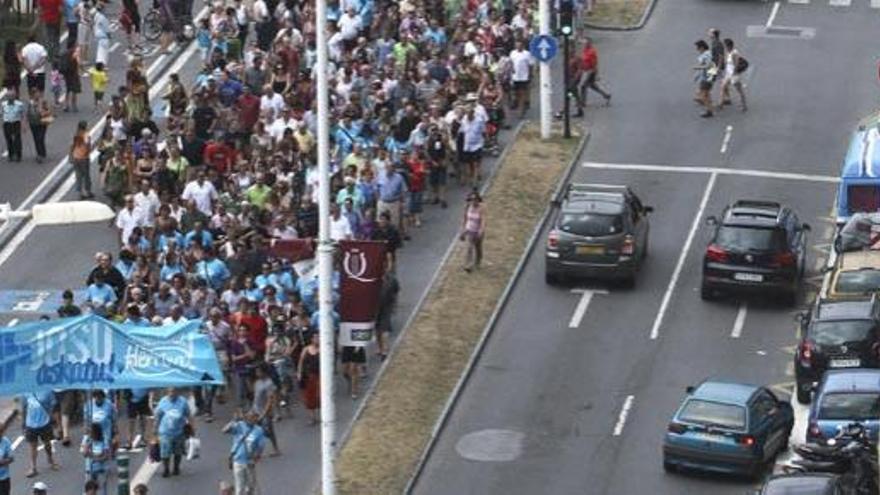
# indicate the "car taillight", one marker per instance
pixel 676 428
pixel 784 259
pixel 747 440
pixel 814 430
pixel 716 253
pixel 629 245
pixel 806 352
pixel 553 240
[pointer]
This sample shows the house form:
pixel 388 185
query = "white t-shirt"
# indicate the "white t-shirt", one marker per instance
pixel 33 53
pixel 148 204
pixel 522 61
pixel 261 11
pixel 349 26
pixel 273 104
pixel 127 220
pixel 204 195
pixel 340 229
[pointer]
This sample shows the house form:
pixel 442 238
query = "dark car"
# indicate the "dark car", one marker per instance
pixel 727 427
pixel 755 246
pixel 802 484
pixel 836 334
pixel 599 231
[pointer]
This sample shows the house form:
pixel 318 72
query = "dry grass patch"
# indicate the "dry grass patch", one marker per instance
pixel 617 13
pixel 392 432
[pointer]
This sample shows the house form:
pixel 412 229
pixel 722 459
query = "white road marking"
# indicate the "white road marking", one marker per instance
pixel 767 174
pixel 773 14
pixel 581 309
pixel 25 231
pixel 52 442
pixel 801 2
pixel 624 412
pixel 114 47
pixel 727 132
pixel 12 322
pixel 739 322
pixel 875 4
pixel 839 3
pixel 667 296
pixel 17 442
pixel 145 472
pixel 789 369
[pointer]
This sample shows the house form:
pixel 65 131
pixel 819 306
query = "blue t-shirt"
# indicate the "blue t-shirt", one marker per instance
pixel 100 294
pixel 244 449
pixel 104 415
pixel 97 449
pixel 213 271
pixel 139 395
pixel 171 415
pixel 5 453
pixel 38 407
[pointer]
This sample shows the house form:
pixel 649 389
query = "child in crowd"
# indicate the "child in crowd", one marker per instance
pixel 57 82
pixel 100 79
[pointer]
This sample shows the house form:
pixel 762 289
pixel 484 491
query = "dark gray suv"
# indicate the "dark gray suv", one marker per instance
pixel 599 231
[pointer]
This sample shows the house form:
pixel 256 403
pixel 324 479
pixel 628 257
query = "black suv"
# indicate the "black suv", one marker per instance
pixel 756 245
pixel 836 334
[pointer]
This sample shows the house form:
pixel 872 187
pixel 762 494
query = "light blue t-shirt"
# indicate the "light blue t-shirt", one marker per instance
pixel 100 294
pixel 5 453
pixel 104 415
pixel 97 448
pixel 172 415
pixel 38 407
pixel 244 449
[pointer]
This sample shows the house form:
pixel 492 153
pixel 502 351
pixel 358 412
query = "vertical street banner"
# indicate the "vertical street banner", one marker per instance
pixel 362 264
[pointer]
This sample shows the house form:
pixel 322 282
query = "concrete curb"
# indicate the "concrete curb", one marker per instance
pixel 635 27
pixel 343 438
pixel 493 319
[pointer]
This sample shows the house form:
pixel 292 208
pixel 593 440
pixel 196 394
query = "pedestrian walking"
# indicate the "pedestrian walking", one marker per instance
pixel 522 74
pixel 6 458
pixel 12 66
pixel 589 74
pixel 263 405
pixel 99 78
pixel 37 421
pixel 138 411
pixel 735 68
pixel 70 10
pixel 472 230
pixel 101 411
pixel 101 29
pixel 79 157
pixel 85 33
pixel 69 66
pixel 248 442
pixel 96 453
pixel 387 303
pixel 50 19
pixel 13 115
pixel 706 73
pixel 309 376
pixel 172 414
pixel 35 59
pixel 473 127
pixel 39 116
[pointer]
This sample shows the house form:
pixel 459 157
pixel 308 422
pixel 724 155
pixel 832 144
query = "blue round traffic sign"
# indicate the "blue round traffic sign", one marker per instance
pixel 543 47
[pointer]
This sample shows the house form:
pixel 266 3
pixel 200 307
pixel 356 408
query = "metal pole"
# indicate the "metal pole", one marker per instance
pixel 325 260
pixel 566 111
pixel 546 87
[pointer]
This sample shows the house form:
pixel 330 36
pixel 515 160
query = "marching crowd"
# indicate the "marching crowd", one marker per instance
pixel 419 92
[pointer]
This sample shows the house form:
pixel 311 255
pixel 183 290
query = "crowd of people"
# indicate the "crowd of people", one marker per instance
pixel 719 60
pixel 418 94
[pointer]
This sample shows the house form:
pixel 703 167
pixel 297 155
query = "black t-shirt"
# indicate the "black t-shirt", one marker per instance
pixel 193 150
pixel 203 117
pixel 390 235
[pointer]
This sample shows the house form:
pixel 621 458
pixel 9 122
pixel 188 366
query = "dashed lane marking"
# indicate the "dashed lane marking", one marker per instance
pixel 581 309
pixel 624 412
pixel 739 322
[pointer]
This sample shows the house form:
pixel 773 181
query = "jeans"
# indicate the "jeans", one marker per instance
pixel 204 397
pixel 83 177
pixel 12 133
pixel 38 131
pixel 53 40
pixel 245 478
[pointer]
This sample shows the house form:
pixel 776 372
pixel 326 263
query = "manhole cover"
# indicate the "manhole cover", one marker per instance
pixel 491 445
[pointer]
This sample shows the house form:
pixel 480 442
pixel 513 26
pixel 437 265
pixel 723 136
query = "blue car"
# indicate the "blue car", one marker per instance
pixel 727 427
pixel 845 396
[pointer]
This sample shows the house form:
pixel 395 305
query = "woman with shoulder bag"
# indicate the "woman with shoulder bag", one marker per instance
pixel 39 117
pixel 734 70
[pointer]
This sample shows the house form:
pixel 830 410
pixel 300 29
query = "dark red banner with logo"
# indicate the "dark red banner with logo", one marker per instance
pixel 293 249
pixel 362 264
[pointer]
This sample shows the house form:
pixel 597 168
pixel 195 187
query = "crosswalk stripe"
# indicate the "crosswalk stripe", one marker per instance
pixel 839 3
pixel 801 2
pixel 875 4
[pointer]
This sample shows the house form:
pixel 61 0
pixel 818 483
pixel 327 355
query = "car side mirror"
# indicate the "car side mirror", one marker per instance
pixel 689 389
pixel 648 209
pixel 711 221
pixel 805 226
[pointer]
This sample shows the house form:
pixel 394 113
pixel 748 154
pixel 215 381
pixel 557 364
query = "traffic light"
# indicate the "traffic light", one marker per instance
pixel 566 17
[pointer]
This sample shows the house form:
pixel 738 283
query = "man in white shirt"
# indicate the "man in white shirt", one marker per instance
pixel 271 103
pixel 102 34
pixel 286 120
pixel 127 219
pixel 34 57
pixel 349 25
pixel 340 228
pixel 147 201
pixel 522 70
pixel 202 192
pixel 472 127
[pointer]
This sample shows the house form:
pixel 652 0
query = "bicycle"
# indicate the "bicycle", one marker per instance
pixel 153 22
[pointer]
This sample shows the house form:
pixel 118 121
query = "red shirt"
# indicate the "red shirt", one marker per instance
pixel 219 156
pixel 589 58
pixel 416 176
pixel 50 11
pixel 249 111
pixel 257 330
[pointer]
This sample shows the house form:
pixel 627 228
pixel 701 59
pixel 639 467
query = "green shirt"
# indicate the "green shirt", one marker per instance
pixel 258 194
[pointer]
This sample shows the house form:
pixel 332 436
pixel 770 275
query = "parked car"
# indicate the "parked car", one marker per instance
pixel 855 275
pixel 836 334
pixel 755 246
pixel 802 484
pixel 599 231
pixel 843 397
pixel 727 427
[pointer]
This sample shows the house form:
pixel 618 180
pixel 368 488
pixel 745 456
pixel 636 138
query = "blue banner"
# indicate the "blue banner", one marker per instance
pixel 88 352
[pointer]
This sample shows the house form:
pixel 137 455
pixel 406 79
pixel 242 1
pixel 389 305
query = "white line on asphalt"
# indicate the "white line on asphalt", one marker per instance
pixel 726 140
pixel 17 442
pixel 713 170
pixel 667 296
pixel 839 3
pixel 581 309
pixel 875 4
pixel 739 321
pixel 624 412
pixel 789 369
pixel 12 322
pixel 773 14
pixel 114 46
pixel 25 231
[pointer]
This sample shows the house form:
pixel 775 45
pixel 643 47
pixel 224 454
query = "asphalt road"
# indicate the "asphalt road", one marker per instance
pixel 567 401
pixel 53 258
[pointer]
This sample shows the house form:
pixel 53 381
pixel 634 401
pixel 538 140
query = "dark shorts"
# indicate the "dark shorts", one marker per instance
pixel 471 156
pixel 437 177
pixel 44 433
pixel 99 95
pixel 705 85
pixel 352 354
pixel 520 85
pixel 70 403
pixel 135 409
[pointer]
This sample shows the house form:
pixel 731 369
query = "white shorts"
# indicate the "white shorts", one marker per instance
pixel 103 52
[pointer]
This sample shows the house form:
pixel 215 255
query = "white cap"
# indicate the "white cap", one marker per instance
pixel 41 486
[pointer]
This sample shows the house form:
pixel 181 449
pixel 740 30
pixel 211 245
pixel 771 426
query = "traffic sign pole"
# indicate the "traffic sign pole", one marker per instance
pixel 546 88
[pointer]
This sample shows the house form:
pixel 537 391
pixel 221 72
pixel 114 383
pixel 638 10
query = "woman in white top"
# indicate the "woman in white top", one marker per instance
pixel 734 68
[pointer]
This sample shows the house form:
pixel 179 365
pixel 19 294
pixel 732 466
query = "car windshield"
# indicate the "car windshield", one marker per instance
pixel 850 406
pixel 710 413
pixel 840 332
pixel 737 238
pixel 858 281
pixel 591 224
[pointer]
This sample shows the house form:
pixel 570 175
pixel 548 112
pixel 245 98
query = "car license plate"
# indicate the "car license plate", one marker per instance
pixel 845 363
pixel 709 437
pixel 748 277
pixel 590 249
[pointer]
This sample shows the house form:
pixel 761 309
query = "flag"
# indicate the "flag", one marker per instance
pixel 362 268
pixel 292 249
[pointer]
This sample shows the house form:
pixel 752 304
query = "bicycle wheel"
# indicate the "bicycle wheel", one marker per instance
pixel 152 26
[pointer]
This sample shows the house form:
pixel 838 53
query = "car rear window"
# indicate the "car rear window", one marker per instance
pixel 591 224
pixel 840 332
pixel 858 281
pixel 737 238
pixel 710 413
pixel 850 406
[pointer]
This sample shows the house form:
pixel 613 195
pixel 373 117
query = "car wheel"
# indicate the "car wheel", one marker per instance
pixel 706 292
pixel 803 396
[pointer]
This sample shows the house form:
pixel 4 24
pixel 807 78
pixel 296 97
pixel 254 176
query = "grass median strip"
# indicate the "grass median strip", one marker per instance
pixel 617 13
pixel 386 442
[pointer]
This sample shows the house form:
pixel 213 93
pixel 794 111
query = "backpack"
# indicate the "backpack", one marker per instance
pixel 741 65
